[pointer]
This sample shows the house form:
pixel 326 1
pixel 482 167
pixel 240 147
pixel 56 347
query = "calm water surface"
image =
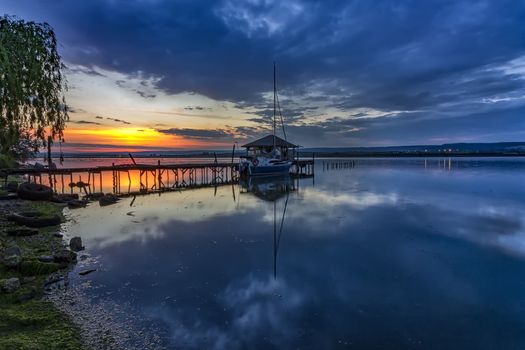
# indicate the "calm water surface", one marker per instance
pixel 391 254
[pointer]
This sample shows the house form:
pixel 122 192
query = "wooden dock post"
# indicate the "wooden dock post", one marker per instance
pixel 159 175
pixel 113 175
pixel 200 174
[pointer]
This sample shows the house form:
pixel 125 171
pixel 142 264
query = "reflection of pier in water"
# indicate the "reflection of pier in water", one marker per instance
pixel 133 179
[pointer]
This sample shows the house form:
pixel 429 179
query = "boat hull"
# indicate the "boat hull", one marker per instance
pixel 263 170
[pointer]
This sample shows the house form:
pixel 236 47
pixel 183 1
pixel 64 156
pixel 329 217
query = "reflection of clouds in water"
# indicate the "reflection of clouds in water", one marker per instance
pixel 498 222
pixel 513 243
pixel 397 254
pixel 357 199
pixel 328 207
pixel 260 309
pixel 102 227
pixel 502 228
pixel 482 222
pixel 503 232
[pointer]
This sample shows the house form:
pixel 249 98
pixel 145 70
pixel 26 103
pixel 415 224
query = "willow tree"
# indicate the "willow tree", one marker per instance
pixel 32 86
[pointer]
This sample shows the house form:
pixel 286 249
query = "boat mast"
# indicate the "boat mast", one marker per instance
pixel 274 102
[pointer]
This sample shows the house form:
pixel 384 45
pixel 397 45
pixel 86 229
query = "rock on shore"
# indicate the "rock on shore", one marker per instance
pixel 12 257
pixel 11 284
pixel 75 244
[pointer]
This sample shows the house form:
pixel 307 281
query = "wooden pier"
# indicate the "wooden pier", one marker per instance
pixel 149 177
pixel 303 167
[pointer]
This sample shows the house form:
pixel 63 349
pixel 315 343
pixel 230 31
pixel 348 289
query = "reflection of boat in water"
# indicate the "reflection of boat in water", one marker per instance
pixel 271 189
pixel 268 188
pixel 277 234
pixel 269 155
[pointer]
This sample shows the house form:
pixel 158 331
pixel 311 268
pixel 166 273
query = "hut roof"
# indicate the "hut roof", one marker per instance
pixel 267 141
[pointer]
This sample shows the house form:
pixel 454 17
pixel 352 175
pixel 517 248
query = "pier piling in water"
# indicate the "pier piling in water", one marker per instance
pixel 165 177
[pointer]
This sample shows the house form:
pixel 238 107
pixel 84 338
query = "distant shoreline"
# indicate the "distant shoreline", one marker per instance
pixel 496 149
pixel 305 155
pixel 413 155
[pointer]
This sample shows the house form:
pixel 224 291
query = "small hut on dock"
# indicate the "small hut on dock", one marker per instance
pixel 265 146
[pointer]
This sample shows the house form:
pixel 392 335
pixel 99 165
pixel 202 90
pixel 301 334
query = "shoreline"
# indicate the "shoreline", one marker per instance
pixel 308 154
pixel 101 325
pixel 45 310
pixel 29 268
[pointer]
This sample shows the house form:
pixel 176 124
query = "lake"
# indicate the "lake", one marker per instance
pixel 389 254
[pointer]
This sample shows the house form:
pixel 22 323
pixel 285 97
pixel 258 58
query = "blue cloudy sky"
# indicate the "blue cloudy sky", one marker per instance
pixel 350 73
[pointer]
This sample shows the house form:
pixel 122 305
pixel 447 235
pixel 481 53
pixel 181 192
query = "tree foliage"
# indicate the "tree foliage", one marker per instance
pixel 32 103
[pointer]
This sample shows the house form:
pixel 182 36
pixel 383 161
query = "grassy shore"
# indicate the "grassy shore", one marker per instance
pixel 26 321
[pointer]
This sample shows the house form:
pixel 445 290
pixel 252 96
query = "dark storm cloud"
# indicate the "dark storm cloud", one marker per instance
pixel 290 115
pixel 413 128
pixel 407 55
pixel 237 133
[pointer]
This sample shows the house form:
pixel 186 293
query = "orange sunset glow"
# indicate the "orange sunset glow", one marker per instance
pixel 121 136
pixel 128 139
pixel 107 115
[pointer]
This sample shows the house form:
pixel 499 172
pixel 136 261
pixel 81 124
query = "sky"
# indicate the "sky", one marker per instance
pixel 154 74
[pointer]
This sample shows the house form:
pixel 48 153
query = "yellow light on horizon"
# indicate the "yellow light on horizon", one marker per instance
pixel 129 137
pixel 120 136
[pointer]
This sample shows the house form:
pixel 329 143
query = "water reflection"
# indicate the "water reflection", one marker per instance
pixel 269 188
pixel 272 189
pixel 386 255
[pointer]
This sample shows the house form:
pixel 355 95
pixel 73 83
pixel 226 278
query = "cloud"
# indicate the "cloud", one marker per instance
pixel 239 133
pixel 145 95
pixel 261 18
pixel 83 122
pixel 72 109
pixel 118 120
pixel 200 134
pixel 420 61
pixel 84 70
pixel 198 108
pixel 90 147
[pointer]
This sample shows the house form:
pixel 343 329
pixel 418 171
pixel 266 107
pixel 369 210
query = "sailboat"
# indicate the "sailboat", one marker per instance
pixel 270 155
